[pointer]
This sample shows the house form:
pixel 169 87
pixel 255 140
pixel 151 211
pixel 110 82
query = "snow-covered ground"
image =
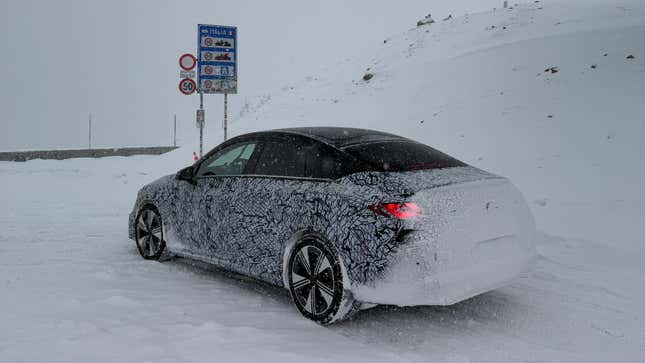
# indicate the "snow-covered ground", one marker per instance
pixel 75 289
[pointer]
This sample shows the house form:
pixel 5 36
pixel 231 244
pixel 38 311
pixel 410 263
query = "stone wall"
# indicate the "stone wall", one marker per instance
pixel 83 153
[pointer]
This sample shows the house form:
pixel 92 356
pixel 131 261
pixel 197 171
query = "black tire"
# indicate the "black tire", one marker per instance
pixel 149 233
pixel 315 278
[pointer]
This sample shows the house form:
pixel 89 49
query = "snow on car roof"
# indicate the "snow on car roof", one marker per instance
pixel 341 136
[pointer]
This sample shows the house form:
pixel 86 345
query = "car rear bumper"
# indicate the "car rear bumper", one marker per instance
pixel 420 276
pixel 473 237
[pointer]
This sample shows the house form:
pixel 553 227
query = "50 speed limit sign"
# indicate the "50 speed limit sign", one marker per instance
pixel 187 86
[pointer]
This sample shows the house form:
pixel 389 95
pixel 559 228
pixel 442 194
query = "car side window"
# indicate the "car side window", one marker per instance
pixel 322 163
pixel 282 158
pixel 229 161
pixel 325 162
pixel 299 157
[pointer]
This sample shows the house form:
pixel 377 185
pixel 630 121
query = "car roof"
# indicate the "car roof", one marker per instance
pixel 339 137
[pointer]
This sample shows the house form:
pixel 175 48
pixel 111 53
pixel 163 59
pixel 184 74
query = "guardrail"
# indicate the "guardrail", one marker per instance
pixel 83 153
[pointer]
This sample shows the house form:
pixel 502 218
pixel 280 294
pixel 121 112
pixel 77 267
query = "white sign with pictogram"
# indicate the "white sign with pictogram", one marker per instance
pixel 200 117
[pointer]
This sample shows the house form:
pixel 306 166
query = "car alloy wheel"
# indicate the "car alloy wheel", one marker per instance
pixel 316 282
pixel 149 236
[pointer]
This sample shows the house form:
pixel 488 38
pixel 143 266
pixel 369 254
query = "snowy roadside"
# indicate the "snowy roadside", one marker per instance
pixel 75 290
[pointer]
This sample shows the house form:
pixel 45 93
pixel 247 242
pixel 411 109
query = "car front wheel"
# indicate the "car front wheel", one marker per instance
pixel 149 236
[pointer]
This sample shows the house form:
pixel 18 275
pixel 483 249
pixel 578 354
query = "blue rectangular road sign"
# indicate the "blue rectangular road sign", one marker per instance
pixel 217 58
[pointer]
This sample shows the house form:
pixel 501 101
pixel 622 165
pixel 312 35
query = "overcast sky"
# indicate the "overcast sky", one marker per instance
pixel 118 59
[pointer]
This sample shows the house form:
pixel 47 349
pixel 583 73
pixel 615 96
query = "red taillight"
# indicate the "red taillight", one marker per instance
pixel 407 210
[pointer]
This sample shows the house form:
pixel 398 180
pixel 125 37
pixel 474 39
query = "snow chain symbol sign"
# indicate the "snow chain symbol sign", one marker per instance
pixel 187 86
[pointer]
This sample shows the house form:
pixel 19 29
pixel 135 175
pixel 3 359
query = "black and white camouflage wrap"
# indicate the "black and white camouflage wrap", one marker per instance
pixel 245 223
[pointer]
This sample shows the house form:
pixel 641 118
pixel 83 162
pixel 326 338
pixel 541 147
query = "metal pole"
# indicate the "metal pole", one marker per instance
pixel 225 114
pixel 89 137
pixel 174 133
pixel 201 127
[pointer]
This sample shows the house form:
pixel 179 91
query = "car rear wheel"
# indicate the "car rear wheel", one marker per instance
pixel 149 233
pixel 315 277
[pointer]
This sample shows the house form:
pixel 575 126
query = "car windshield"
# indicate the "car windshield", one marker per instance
pixel 402 156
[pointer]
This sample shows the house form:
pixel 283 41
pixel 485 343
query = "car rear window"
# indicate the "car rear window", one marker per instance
pixel 402 156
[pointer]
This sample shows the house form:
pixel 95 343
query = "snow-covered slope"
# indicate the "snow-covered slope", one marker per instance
pixel 476 87
pixel 74 288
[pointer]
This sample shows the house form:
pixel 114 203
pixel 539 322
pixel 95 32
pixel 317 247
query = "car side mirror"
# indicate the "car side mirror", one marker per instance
pixel 186 174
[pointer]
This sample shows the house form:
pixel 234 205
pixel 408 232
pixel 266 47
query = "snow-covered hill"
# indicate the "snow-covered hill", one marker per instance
pixel 476 87
pixel 545 94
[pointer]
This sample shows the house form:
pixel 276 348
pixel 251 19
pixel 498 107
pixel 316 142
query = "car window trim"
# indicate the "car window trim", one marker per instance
pixel 266 177
pixel 384 141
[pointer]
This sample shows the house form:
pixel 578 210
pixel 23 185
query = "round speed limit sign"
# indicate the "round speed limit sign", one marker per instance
pixel 187 86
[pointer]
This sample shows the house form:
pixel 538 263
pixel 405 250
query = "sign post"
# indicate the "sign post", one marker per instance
pixel 89 138
pixel 217 62
pixel 201 118
pixel 225 114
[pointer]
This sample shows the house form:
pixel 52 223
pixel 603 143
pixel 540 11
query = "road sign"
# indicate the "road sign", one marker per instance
pixel 187 62
pixel 187 86
pixel 200 117
pixel 186 74
pixel 217 58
